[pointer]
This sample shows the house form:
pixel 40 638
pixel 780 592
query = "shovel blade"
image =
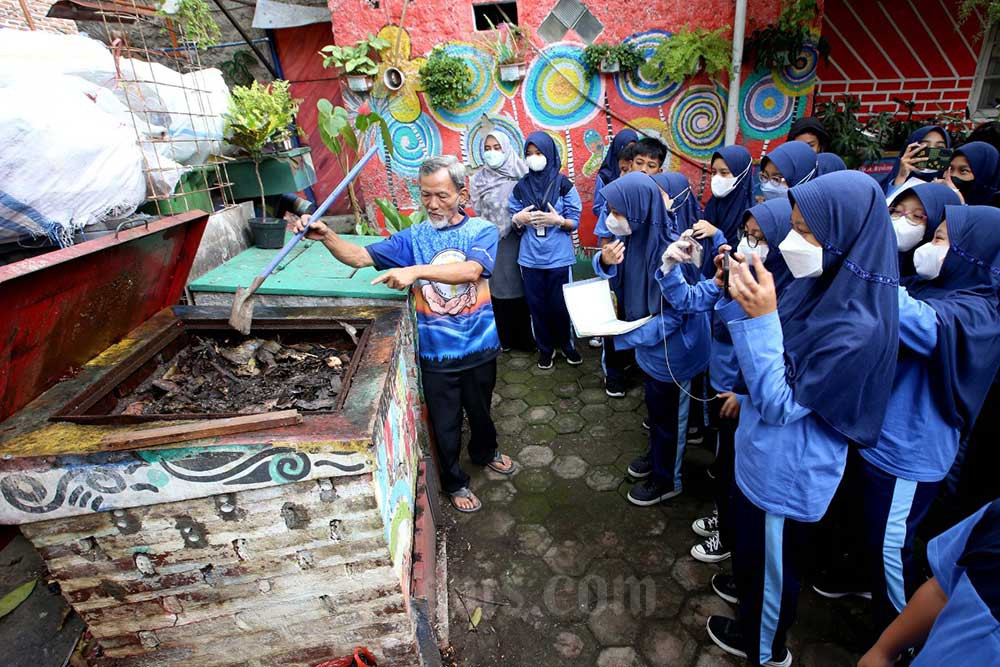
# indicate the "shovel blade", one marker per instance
pixel 241 315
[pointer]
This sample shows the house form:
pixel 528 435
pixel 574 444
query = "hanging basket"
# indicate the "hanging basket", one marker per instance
pixel 359 83
pixel 393 78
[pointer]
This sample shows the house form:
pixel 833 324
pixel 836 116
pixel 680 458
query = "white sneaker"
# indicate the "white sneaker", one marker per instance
pixel 706 526
pixel 710 551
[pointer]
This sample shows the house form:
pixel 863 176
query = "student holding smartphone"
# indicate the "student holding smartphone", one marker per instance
pixel 914 161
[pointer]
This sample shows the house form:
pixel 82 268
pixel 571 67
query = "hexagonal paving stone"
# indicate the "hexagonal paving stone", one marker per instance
pixel 494 523
pixel 660 596
pixel 570 557
pixel 530 509
pixel 620 656
pixel 599 430
pixel 542 414
pixel 595 452
pixel 567 405
pixel 516 376
pixel 698 608
pixel 691 574
pixel 567 423
pixel 536 456
pixel 714 656
pixel 652 557
pixel 509 407
pixel 536 480
pixel 517 360
pixel 509 425
pixel 566 389
pixel 514 390
pixel 613 625
pixel 603 478
pixel 596 413
pixel 540 397
pixel 593 395
pixel 569 467
pixel 592 380
pixel 501 493
pixel 627 404
pixel 667 644
pixel 533 539
pixel 607 578
pixel 547 382
pixel 568 645
pixel 563 598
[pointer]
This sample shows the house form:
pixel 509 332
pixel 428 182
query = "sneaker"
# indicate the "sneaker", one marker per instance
pixel 711 550
pixel 651 492
pixel 724 586
pixel 642 467
pixel 706 526
pixel 614 388
pixel 573 357
pixel 834 592
pixel 544 361
pixel 695 436
pixel 645 424
pixel 727 635
pixel 505 349
pixel 595 342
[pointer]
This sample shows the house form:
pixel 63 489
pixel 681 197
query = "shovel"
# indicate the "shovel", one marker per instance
pixel 241 316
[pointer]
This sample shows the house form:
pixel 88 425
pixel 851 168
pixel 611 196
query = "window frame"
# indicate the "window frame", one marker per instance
pixel 484 3
pixel 990 44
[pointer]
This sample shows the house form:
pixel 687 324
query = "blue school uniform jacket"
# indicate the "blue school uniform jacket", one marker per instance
pixel 916 443
pixel 555 249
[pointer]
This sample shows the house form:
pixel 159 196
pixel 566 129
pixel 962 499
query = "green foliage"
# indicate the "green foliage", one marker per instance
pixel 195 22
pixel 990 7
pixel 446 79
pixel 851 139
pixel 236 70
pixel 395 220
pixel 508 43
pixel 779 44
pixel 357 59
pixel 626 55
pixel 688 51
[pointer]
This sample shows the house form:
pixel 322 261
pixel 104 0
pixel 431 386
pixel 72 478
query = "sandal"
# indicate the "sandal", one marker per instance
pixel 498 458
pixel 466 494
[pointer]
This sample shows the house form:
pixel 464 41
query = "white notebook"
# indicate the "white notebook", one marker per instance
pixel 592 310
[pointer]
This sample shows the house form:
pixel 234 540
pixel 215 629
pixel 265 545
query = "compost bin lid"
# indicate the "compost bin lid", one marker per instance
pixel 67 306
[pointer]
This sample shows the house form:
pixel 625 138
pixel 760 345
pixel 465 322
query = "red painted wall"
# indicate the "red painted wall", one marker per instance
pixel 914 51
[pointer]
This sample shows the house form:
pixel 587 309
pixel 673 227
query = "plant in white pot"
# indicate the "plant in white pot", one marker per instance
pixel 356 62
pixel 607 59
pixel 509 44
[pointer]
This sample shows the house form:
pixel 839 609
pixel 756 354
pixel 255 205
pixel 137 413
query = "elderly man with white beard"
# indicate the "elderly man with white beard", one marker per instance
pixel 445 261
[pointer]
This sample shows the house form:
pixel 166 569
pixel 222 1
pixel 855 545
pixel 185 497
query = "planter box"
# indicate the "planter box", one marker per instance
pixel 359 84
pixel 610 66
pixel 289 171
pixel 190 194
pixel 512 71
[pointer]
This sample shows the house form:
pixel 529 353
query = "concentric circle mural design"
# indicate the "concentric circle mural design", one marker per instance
pixel 697 121
pixel 766 112
pixel 551 91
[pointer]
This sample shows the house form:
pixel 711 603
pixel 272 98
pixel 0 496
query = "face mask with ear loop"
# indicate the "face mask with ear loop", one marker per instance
pixel 723 185
pixel 675 202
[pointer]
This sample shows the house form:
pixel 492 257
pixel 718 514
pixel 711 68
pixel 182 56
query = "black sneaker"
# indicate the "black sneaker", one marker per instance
pixel 727 635
pixel 651 492
pixel 642 467
pixel 544 361
pixel 573 357
pixel 711 550
pixel 837 592
pixel 724 586
pixel 706 526
pixel 645 424
pixel 695 436
pixel 614 388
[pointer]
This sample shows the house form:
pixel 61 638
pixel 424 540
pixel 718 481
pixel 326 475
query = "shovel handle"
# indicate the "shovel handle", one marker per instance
pixel 339 190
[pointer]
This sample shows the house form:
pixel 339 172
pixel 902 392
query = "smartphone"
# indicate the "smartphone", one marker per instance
pixel 727 258
pixel 937 158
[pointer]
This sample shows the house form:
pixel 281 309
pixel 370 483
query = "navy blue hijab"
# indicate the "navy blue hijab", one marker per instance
pixel 964 298
pixel 774 217
pixel 726 213
pixel 685 208
pixel 795 160
pixel 541 188
pixel 638 198
pixel 985 162
pixel 841 329
pixel 827 163
pixel 917 136
pixel 609 167
pixel 933 197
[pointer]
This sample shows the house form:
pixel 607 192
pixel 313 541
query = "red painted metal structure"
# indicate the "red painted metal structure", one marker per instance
pixel 63 308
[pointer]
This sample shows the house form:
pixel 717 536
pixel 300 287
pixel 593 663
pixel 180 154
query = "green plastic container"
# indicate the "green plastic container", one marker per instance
pixel 191 193
pixel 290 171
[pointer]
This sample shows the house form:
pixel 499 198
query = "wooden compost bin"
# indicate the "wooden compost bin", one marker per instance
pixel 278 547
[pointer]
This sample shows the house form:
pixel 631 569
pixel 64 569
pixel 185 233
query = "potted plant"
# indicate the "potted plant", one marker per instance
pixel 258 118
pixel 609 59
pixel 446 79
pixel 194 20
pixel 688 52
pixel 779 44
pixel 509 47
pixel 356 62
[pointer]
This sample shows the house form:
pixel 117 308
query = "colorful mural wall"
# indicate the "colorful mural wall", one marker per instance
pixel 581 112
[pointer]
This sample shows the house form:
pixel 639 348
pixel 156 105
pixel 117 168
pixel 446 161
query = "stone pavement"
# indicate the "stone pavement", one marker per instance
pixel 566 571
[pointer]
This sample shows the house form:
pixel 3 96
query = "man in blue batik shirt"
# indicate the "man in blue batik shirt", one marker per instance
pixel 445 261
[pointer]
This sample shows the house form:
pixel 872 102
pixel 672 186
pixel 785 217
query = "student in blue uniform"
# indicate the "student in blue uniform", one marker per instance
pixel 816 380
pixel 827 163
pixel 949 353
pixel 648 156
pixel 732 195
pixel 790 164
pixel 546 207
pixel 671 348
pixel 975 171
pixel 610 169
pixel 916 213
pixel 908 165
pixel 956 614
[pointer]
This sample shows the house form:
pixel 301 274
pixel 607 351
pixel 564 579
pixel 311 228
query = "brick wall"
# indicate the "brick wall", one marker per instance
pixel 932 95
pixel 11 16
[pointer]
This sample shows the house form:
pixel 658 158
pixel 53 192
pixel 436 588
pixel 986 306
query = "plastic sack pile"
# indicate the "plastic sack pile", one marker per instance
pixel 81 144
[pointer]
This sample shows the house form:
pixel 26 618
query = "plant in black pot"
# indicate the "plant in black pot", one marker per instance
pixel 258 118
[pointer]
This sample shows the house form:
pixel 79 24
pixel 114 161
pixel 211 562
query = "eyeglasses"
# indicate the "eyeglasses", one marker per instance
pixel 896 212
pixel 774 180
pixel 752 241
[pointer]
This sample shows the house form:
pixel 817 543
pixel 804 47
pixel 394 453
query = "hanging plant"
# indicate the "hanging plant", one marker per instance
pixel 688 52
pixel 446 79
pixel 779 44
pixel 356 62
pixel 194 21
pixel 609 59
pixel 990 7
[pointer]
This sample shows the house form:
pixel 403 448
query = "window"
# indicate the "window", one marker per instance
pixel 570 14
pixel 493 14
pixel 986 87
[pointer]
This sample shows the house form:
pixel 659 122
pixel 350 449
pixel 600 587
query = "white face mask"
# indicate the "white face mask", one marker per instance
pixel 744 249
pixel 804 259
pixel 667 201
pixel 617 226
pixel 493 158
pixel 772 191
pixel 676 202
pixel 928 259
pixel 908 235
pixel 723 185
pixel 536 162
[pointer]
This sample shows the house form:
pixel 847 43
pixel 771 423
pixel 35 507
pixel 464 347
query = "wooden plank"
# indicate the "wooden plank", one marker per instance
pixel 208 428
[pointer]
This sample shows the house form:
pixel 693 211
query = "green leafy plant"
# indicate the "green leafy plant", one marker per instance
pixel 780 44
pixel 357 59
pixel 396 220
pixel 686 53
pixel 855 141
pixel 507 42
pixel 194 20
pixel 259 116
pixel 345 138
pixel 446 79
pixel 990 7
pixel 628 57
pixel 236 70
